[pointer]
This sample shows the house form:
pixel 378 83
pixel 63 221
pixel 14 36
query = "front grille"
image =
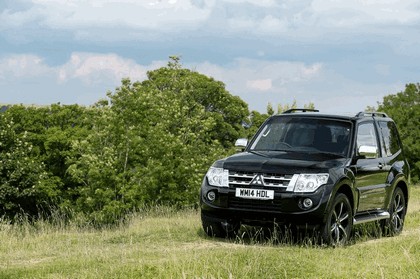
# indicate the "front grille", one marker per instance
pixel 240 179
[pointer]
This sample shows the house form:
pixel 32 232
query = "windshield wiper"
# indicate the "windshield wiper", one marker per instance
pixel 258 152
pixel 329 154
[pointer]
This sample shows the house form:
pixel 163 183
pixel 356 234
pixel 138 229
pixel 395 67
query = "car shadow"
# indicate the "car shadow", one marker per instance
pixel 291 236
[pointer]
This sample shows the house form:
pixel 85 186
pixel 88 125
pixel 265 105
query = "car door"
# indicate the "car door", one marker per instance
pixel 391 150
pixel 371 172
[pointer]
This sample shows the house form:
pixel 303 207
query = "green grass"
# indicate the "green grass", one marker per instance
pixel 167 244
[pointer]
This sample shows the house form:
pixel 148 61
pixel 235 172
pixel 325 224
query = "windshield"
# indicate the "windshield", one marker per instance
pixel 302 134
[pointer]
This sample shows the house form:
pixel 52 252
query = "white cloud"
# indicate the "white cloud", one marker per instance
pixel 256 73
pixel 261 3
pixel 20 66
pixel 312 18
pixel 159 14
pixel 353 13
pixel 87 67
pixel 331 52
pixel 244 77
pixel 133 20
pixel 93 68
pixel 84 78
pixel 268 25
pixel 260 84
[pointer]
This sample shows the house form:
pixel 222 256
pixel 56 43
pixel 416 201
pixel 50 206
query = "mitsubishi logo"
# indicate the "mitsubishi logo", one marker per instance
pixel 257 180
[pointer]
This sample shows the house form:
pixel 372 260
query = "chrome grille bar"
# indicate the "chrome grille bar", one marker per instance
pixel 238 178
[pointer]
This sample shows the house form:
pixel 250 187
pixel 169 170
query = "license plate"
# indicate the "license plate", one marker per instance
pixel 256 194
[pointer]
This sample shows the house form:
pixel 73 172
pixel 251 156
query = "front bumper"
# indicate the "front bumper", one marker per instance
pixel 286 207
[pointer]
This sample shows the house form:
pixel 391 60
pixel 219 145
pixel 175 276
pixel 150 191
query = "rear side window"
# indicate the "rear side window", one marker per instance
pixel 389 138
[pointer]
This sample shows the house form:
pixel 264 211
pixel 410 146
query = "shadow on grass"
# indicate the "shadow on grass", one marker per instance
pixel 275 235
pixel 282 235
pixel 367 231
pixel 278 235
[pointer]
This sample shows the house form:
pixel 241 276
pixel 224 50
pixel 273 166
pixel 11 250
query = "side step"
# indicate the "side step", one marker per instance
pixel 368 217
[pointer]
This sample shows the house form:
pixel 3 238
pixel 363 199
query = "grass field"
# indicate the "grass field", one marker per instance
pixel 167 244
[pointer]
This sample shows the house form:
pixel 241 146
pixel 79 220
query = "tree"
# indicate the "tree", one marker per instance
pixel 404 108
pixel 25 185
pixel 36 146
pixel 285 107
pixel 196 92
pixel 153 141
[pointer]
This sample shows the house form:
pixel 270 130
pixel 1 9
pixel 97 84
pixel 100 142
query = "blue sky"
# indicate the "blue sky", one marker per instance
pixel 342 55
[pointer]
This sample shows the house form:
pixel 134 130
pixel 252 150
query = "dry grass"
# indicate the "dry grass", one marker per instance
pixel 169 244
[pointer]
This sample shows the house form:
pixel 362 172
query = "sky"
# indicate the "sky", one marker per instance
pixel 341 55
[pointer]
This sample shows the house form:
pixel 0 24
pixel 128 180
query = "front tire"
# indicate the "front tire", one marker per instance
pixel 338 226
pixel 397 209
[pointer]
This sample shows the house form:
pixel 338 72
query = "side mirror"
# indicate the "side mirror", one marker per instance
pixel 368 151
pixel 241 144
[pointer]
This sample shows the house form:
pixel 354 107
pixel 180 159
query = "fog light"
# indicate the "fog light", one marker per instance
pixel 211 196
pixel 307 203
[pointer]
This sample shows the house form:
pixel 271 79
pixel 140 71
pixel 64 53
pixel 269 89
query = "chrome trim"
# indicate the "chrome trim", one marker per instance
pixel 292 183
pixel 238 178
pixel 371 217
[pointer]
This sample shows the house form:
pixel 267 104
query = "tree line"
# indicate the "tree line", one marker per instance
pixel 147 143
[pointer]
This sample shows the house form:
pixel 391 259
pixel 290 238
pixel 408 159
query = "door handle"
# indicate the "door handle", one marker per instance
pixel 380 165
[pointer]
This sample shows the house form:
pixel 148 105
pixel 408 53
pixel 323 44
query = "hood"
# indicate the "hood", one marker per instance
pixel 282 162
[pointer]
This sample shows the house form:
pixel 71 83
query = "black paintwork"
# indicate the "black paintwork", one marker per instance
pixel 367 183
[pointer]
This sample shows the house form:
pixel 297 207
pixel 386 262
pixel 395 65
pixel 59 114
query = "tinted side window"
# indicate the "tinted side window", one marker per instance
pixel 366 136
pixel 389 135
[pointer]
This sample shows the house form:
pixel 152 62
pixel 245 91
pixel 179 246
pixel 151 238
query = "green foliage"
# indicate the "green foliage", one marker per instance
pixel 25 185
pixel 404 108
pixel 198 94
pixel 35 145
pixel 148 143
pixel 153 142
pixel 270 110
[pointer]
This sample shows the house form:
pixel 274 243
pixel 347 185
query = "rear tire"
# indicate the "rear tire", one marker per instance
pixel 397 209
pixel 337 229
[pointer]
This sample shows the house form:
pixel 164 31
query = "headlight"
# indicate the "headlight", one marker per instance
pixel 218 177
pixel 310 182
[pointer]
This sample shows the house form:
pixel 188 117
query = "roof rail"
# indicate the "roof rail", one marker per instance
pixel 373 114
pixel 300 109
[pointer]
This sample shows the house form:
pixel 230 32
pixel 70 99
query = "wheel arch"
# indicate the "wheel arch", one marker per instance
pixel 347 190
pixel 404 187
pixel 342 188
pixel 398 182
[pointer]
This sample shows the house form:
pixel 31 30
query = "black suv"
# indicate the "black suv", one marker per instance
pixel 308 169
